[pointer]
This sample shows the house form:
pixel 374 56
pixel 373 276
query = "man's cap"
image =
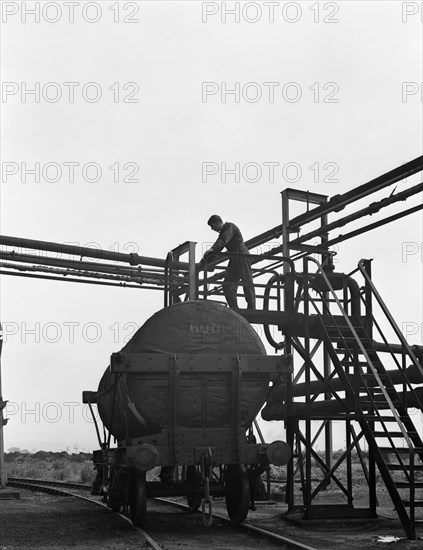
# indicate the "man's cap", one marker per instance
pixel 214 219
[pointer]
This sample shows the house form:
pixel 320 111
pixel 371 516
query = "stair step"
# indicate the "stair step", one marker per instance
pixel 397 467
pixel 375 401
pixel 371 374
pixel 366 404
pixel 417 503
pixel 376 388
pixel 371 393
pixel 389 434
pixel 348 335
pixel 401 450
pixel 343 346
pixel 346 328
pixel 354 363
pixel 385 418
pixel 406 484
pixel 339 349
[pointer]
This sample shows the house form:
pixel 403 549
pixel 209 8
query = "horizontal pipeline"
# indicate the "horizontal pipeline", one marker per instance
pixel 83 251
pixel 330 407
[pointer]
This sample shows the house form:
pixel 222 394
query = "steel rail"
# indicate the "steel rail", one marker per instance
pixel 51 482
pixel 48 486
pixel 254 258
pixel 58 487
pixel 247 526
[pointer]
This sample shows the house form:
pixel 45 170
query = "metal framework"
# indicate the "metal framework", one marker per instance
pixel 349 369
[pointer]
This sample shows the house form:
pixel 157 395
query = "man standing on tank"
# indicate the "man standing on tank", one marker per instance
pixel 239 267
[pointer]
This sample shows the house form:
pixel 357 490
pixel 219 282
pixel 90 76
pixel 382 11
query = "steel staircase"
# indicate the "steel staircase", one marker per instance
pixel 381 410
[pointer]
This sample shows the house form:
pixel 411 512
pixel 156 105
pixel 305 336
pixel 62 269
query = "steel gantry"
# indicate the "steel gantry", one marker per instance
pixel 348 369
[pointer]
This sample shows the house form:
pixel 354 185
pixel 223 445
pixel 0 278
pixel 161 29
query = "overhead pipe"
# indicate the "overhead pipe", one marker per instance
pixel 338 202
pixel 317 387
pixel 375 225
pixel 398 348
pixel 305 249
pixel 68 279
pixel 330 407
pixel 141 274
pixel 71 264
pixel 83 251
pixel 411 373
pixel 67 272
pixel 369 210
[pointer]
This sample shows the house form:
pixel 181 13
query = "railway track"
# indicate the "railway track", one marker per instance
pixel 170 529
pixel 56 486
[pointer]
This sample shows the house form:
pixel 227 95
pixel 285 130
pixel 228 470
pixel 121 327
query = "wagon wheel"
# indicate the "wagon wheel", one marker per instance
pixel 237 484
pixel 138 501
pixel 193 478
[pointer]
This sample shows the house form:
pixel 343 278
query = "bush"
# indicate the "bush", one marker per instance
pixel 87 472
pixel 45 465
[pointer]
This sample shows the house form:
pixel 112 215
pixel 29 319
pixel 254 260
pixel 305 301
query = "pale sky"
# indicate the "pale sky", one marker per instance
pixel 335 86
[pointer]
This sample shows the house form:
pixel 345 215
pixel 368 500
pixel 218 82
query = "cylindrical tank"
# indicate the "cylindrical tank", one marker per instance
pixel 137 404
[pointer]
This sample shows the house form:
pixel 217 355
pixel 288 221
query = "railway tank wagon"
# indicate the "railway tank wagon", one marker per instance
pixel 183 392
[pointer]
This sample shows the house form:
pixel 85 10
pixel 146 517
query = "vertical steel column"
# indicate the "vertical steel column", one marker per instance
pixel 173 407
pixel 373 502
pixel 320 200
pixel 326 360
pixel 368 297
pixel 3 477
pixel 308 443
pixel 290 424
pixel 188 247
pixel 192 275
pixel 168 280
pixel 349 429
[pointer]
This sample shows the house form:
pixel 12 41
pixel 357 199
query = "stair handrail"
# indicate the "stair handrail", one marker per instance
pixel 388 315
pixel 363 351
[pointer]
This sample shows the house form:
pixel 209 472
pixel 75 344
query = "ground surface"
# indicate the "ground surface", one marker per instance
pixel 384 532
pixel 39 521
pixel 43 521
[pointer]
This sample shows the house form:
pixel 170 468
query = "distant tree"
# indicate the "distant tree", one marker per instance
pixel 14 450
